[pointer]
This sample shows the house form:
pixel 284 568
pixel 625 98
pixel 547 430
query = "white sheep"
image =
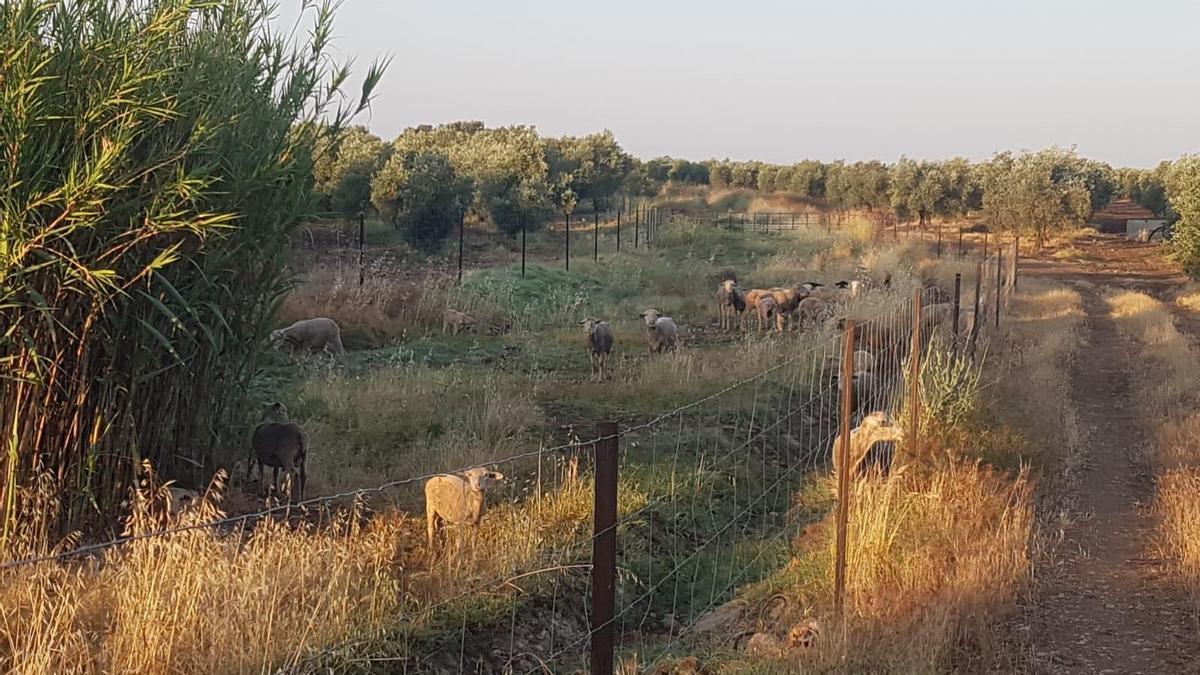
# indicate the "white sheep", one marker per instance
pixel 599 342
pixel 661 331
pixel 318 333
pixel 730 302
pixel 877 427
pixel 456 499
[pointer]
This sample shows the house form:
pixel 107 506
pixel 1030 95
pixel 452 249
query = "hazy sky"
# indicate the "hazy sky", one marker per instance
pixel 784 81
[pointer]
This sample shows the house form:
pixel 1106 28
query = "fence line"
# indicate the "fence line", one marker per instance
pixel 710 497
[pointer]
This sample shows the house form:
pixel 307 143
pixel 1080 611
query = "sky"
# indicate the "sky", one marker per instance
pixel 785 81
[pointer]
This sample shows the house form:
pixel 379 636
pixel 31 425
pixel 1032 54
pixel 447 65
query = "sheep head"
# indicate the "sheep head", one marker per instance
pixel 481 479
pixel 881 427
pixel 729 286
pixel 811 285
pixel 589 325
pixel 651 317
pixel 275 412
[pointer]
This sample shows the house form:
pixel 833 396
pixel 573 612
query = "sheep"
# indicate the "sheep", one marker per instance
pixel 318 333
pixel 877 427
pixel 279 444
pixel 767 308
pixel 661 331
pixel 599 343
pixel 786 301
pixel 811 310
pixel 457 499
pixel 862 375
pixel 730 302
pixel 456 321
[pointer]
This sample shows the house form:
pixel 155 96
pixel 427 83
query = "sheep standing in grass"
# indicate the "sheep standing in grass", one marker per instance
pixel 661 331
pixel 599 343
pixel 456 499
pixel 811 311
pixel 731 302
pixel 862 375
pixel 456 321
pixel 318 333
pixel 786 301
pixel 767 311
pixel 279 444
pixel 877 427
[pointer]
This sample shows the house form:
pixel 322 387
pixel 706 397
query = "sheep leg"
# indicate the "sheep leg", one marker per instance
pixel 275 478
pixel 303 478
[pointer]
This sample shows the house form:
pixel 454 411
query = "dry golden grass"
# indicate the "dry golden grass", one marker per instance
pixel 1167 399
pixel 197 602
pixel 280 597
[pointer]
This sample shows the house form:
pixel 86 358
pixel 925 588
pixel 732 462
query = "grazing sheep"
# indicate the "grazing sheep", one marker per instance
pixel 279 444
pixel 767 308
pixel 786 301
pixel 458 500
pixel 318 333
pixel 661 331
pixel 730 302
pixel 456 321
pixel 180 500
pixel 599 343
pixel 811 310
pixel 877 427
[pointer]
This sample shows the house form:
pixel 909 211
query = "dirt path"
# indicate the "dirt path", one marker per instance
pixel 1102 604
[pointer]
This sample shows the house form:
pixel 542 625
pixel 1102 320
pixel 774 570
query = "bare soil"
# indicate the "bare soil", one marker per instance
pixel 1102 602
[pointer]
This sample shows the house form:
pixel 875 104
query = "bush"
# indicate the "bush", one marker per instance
pixel 154 170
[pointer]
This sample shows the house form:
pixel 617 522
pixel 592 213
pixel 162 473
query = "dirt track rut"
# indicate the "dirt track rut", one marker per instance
pixel 1102 603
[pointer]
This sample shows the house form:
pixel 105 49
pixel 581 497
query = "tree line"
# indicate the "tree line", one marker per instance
pixel 429 177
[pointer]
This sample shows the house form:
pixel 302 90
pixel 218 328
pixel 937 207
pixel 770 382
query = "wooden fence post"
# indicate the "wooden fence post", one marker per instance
pixel 975 320
pixel 604 550
pixel 637 226
pixel 960 245
pixel 843 477
pixel 618 231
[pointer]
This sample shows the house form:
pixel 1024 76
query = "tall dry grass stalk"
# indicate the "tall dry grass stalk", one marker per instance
pixel 1167 400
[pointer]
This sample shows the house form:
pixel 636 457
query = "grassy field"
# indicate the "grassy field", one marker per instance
pixel 714 496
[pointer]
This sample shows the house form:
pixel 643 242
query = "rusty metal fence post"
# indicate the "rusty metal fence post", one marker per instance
pixel 960 245
pixel 975 317
pixel 914 374
pixel 957 308
pixel 637 226
pixel 362 242
pixel 843 476
pixel 604 551
pixel 999 282
pixel 462 236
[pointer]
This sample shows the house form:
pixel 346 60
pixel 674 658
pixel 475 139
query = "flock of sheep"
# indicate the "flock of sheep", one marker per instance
pixel 459 498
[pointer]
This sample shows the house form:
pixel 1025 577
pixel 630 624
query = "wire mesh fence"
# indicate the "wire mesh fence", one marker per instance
pixel 620 542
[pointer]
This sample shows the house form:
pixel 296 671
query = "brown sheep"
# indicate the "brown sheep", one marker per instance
pixel 456 321
pixel 811 311
pixel 280 444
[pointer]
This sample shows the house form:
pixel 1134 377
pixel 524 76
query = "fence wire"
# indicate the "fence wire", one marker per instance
pixel 707 499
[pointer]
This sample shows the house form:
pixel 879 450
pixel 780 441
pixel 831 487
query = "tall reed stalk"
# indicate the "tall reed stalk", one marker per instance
pixel 155 157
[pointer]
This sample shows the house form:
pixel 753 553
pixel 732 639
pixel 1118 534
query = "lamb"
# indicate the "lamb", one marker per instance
pixel 599 343
pixel 279 444
pixel 730 302
pixel 456 499
pixel 456 321
pixel 877 427
pixel 318 333
pixel 661 331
